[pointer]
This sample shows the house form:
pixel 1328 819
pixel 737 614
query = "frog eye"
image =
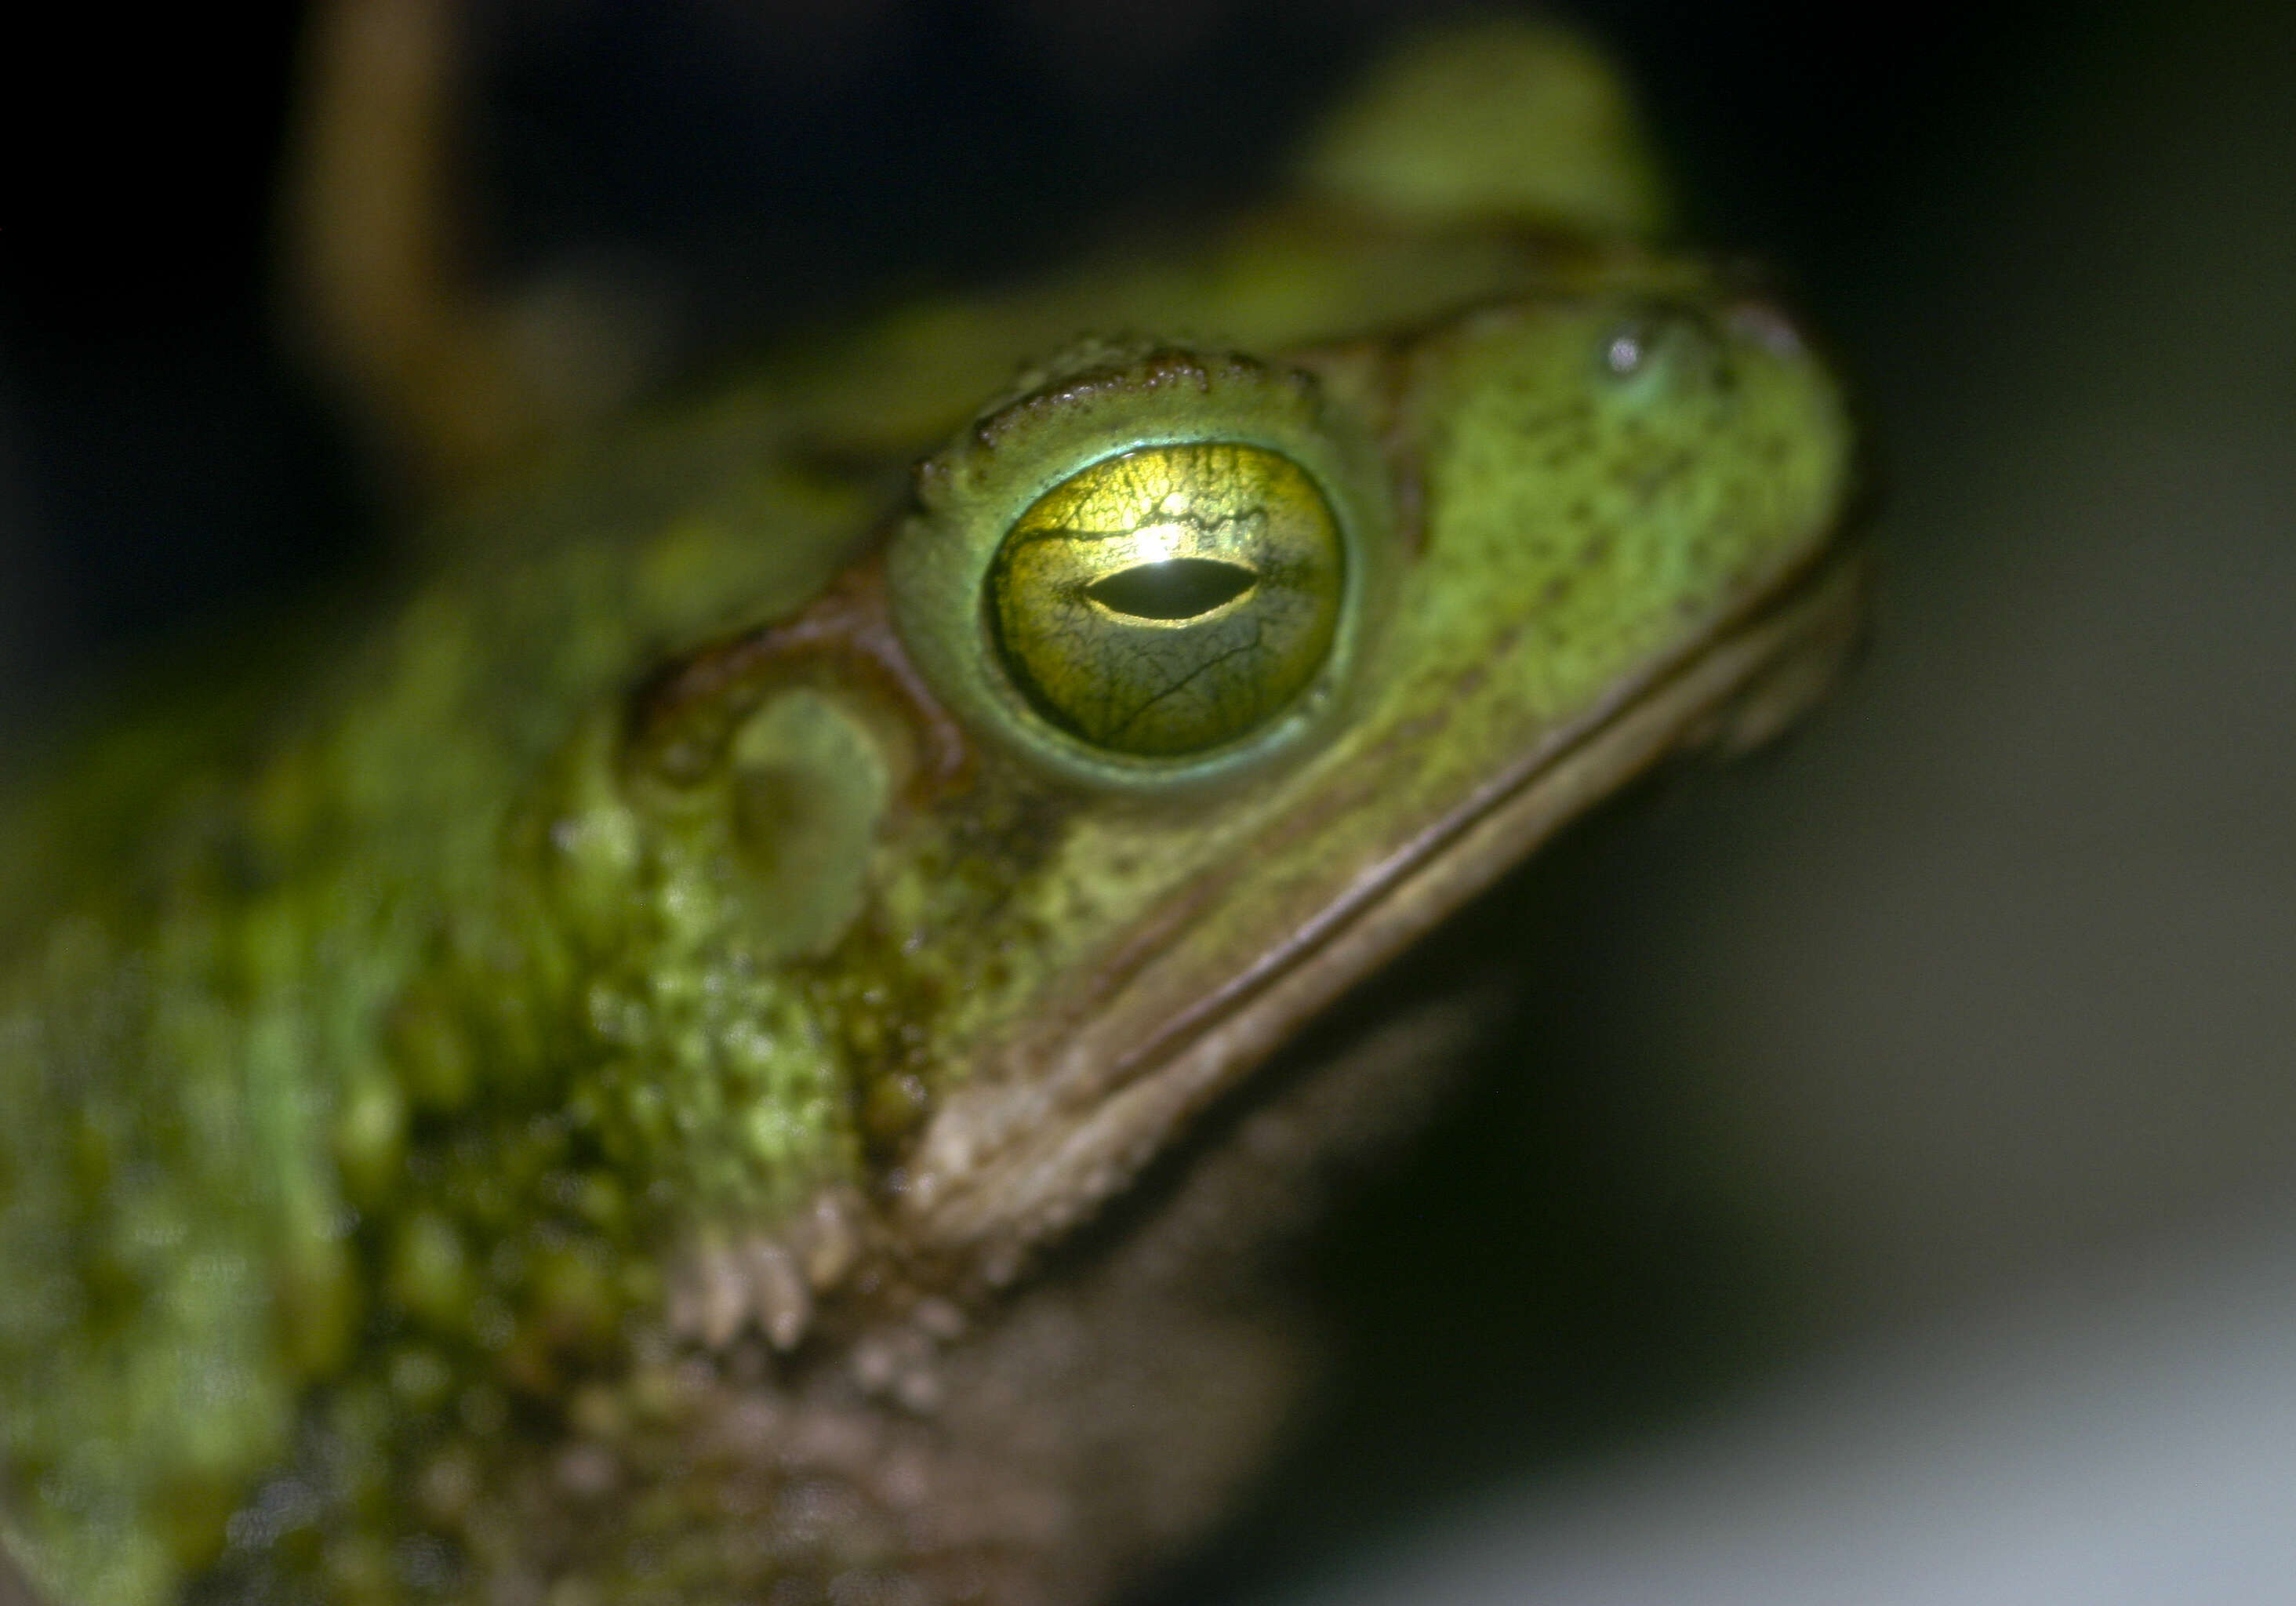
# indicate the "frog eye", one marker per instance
pixel 1171 599
pixel 1149 568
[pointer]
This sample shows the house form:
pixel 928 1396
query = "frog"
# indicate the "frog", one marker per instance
pixel 720 1037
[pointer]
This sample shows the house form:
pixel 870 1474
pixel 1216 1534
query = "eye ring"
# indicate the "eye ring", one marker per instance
pixel 1151 568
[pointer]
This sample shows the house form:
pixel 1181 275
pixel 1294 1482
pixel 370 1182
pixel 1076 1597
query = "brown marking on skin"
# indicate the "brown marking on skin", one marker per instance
pixel 680 719
pixel 1400 442
pixel 1375 378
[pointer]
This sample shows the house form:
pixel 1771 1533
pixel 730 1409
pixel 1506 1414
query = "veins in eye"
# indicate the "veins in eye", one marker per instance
pixel 1180 686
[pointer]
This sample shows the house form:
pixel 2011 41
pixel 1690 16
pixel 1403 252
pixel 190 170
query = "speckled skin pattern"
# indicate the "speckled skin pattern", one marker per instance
pixel 475 1089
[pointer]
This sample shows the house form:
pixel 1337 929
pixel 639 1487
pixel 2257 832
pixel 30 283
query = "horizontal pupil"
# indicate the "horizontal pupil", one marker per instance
pixel 1177 588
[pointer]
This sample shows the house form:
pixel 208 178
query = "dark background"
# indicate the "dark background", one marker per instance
pixel 1983 981
pixel 757 165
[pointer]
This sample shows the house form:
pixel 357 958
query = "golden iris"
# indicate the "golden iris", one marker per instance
pixel 1171 599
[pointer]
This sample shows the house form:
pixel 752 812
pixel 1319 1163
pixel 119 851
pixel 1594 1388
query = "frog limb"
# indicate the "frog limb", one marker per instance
pixel 1510 122
pixel 383 294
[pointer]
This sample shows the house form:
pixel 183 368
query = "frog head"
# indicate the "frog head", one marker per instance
pixel 1195 683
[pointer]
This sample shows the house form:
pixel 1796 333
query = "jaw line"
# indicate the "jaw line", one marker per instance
pixel 1004 1168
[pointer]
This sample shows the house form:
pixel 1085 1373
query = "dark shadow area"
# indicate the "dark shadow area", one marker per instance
pixel 1552 1268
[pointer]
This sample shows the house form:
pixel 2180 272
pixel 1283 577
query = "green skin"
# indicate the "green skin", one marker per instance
pixel 391 1067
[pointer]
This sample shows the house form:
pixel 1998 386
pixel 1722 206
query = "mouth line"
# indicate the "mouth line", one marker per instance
pixel 1393 874
pixel 1806 612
